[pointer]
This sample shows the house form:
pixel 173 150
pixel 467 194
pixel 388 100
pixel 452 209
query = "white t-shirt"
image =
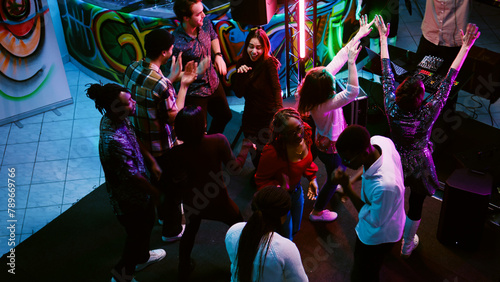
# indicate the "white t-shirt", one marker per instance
pixel 382 218
pixel 282 261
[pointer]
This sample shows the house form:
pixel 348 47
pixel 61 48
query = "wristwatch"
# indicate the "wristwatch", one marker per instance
pixel 218 54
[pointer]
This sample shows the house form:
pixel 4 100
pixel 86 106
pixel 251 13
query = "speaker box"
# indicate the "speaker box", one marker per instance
pixel 254 12
pixel 483 64
pixel 464 208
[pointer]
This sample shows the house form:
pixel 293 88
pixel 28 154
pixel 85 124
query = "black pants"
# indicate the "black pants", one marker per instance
pixel 368 260
pixel 169 210
pixel 260 140
pixel 216 105
pixel 416 202
pixel 138 225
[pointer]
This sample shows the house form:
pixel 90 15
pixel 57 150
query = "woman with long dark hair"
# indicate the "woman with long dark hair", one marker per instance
pixel 257 252
pixel 257 80
pixel 318 98
pixel 411 119
pixel 288 157
pixel 196 173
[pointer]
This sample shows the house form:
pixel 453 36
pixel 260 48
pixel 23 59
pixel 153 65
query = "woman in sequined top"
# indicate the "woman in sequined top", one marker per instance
pixel 411 120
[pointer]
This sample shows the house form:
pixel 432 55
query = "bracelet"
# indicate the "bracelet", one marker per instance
pixel 218 54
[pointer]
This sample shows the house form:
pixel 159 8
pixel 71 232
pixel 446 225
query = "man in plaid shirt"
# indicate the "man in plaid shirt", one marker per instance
pixel 157 106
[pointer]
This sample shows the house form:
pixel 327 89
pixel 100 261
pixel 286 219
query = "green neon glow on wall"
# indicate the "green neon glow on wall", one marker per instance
pixel 336 29
pixel 335 40
pixel 29 95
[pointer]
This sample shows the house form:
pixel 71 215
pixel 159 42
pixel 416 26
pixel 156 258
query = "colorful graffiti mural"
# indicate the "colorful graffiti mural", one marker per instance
pixel 31 64
pixel 106 41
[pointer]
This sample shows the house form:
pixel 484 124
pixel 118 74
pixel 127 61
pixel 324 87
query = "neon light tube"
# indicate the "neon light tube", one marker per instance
pixel 302 30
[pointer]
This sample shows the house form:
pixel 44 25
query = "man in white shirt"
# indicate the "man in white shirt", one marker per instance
pixel 381 204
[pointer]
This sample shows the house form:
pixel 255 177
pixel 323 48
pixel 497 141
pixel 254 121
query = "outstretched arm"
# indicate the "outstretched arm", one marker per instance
pixel 353 55
pixel 383 32
pixel 439 99
pixel 365 28
pixel 342 56
pixel 387 75
pixel 468 40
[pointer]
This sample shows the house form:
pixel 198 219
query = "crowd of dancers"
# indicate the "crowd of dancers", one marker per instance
pixel 161 161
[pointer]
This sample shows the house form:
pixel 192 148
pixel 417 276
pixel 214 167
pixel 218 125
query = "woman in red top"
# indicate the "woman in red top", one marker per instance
pixel 285 159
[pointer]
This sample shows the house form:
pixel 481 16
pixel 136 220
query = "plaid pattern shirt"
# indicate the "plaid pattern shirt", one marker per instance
pixel 155 96
pixel 195 49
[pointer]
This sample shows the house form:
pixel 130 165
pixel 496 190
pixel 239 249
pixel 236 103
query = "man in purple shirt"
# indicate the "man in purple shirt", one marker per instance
pixel 127 179
pixel 196 38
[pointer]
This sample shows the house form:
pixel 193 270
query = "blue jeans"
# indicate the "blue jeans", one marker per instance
pixel 294 217
pixel 331 161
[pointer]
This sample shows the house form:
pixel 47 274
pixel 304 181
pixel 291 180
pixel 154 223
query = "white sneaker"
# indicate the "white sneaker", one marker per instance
pixel 154 256
pixel 339 189
pixel 324 215
pixel 408 247
pixel 174 238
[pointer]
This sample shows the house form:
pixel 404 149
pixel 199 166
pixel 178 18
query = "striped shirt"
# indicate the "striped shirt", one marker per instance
pixel 155 96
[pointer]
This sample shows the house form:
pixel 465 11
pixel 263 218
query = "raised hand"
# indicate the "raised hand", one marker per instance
pixel 203 65
pixel 176 68
pixel 189 75
pixel 468 40
pixel 470 36
pixel 383 30
pixel 365 27
pixel 354 50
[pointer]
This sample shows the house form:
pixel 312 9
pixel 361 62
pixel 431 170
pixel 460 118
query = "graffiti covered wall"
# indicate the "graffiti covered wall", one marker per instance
pixel 107 41
pixel 32 76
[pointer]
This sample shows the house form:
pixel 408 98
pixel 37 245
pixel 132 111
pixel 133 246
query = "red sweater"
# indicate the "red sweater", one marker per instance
pixel 271 168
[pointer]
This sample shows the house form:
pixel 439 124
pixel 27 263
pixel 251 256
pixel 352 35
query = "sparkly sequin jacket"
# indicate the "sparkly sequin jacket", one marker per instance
pixel 411 131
